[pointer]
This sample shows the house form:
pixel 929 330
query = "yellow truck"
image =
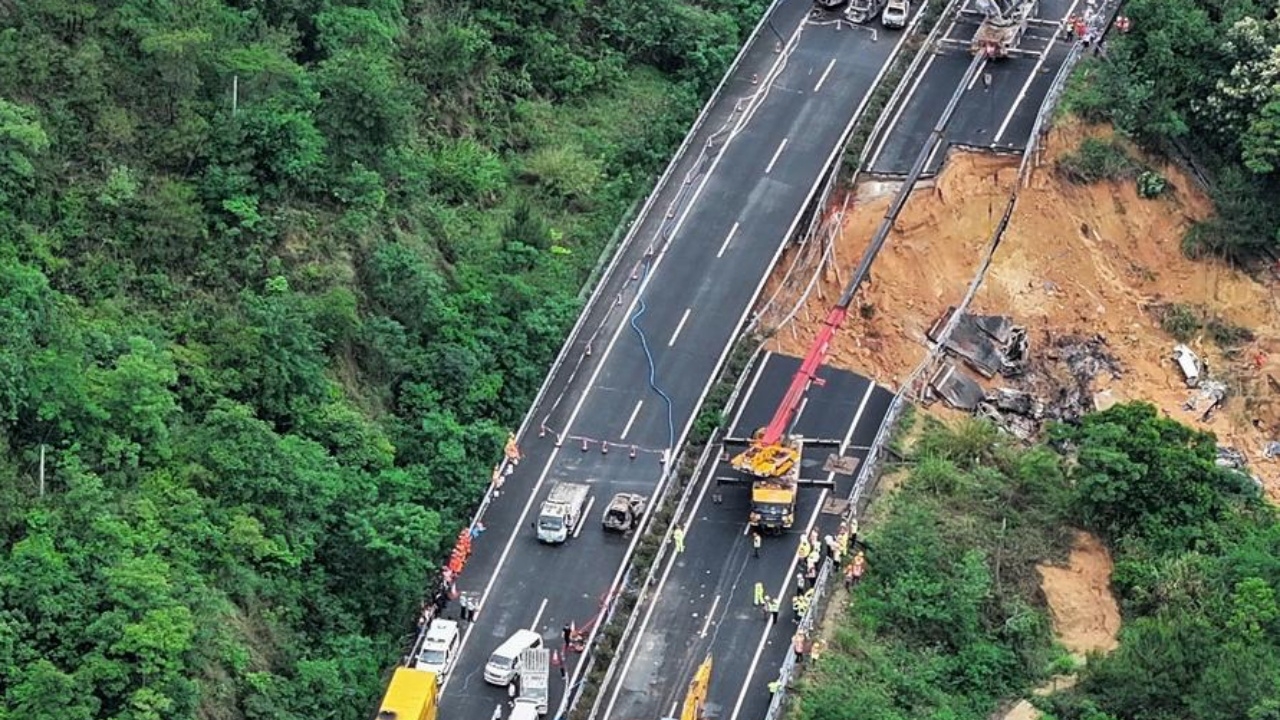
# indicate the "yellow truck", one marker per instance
pixel 412 695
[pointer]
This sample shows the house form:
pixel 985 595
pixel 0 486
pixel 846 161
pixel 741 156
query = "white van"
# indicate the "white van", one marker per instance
pixel 440 648
pixel 504 663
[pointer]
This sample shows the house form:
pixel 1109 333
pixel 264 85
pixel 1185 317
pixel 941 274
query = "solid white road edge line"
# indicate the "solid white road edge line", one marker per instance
pixel 786 580
pixel 768 625
pixel 653 600
pixel 902 106
pixel 1022 94
pixel 724 354
pixel 742 403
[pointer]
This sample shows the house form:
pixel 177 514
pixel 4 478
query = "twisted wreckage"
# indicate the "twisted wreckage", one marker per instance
pixel 1060 388
pixel 1057 386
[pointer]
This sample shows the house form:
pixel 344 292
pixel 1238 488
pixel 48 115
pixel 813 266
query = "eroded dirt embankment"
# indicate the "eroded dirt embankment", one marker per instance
pixel 1077 260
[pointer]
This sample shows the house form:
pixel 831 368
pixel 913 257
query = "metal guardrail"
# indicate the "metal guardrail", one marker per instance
pixel 714 440
pixel 616 590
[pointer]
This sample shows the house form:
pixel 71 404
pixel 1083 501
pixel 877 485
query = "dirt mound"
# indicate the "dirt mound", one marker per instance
pixel 936 243
pixel 1077 260
pixel 1085 615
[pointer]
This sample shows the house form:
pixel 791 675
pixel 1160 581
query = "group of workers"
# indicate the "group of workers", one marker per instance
pixel 1086 28
pixel 811 551
pixel 447 590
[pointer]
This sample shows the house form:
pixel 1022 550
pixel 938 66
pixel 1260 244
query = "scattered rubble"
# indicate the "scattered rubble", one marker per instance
pixel 1057 387
pixel 1208 396
pixel 956 387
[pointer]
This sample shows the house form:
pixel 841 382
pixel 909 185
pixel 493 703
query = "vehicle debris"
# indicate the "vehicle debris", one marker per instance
pixel 1229 457
pixel 624 512
pixel 956 387
pixel 1209 395
pixel 990 344
pixel 1057 388
pixel 1189 363
pixel 1022 427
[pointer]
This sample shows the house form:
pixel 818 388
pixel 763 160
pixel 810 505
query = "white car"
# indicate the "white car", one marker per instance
pixel 895 14
pixel 440 648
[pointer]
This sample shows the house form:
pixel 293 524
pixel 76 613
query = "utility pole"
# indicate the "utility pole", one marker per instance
pixel 41 469
pixel 235 94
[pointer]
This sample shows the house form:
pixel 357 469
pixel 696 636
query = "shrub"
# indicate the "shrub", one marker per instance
pixel 1227 334
pixel 1096 159
pixel 1180 321
pixel 1152 184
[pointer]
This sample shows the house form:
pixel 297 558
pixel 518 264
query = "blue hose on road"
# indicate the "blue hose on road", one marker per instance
pixel 641 308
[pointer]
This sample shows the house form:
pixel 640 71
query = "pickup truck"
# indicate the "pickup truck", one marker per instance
pixel 561 511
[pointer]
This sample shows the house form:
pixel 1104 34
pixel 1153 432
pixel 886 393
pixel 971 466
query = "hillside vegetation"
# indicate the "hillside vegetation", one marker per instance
pixel 950 621
pixel 1201 77
pixel 275 280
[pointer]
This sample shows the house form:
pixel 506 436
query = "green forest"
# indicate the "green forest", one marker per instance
pixel 1198 79
pixel 949 622
pixel 276 278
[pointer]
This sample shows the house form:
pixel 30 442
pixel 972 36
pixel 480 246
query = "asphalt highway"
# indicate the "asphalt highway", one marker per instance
pixel 999 117
pixel 703 602
pixel 715 233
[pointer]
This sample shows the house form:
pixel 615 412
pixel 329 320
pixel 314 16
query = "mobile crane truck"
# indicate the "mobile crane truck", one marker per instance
pixel 771 462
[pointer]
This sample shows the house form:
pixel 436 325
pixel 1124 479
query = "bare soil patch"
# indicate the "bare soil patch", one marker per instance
pixel 1086 617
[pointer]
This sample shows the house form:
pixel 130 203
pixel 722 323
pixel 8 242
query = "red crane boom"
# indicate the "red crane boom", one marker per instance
pixel 813 361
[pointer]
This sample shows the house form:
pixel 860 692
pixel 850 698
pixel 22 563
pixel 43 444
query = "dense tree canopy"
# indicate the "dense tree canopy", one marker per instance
pixel 1203 75
pixel 275 277
pixel 950 621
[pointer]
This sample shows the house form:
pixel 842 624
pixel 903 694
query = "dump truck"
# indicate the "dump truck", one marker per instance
pixel 624 512
pixel 412 695
pixel 535 679
pixel 862 11
pixel 561 511
pixel 1002 26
